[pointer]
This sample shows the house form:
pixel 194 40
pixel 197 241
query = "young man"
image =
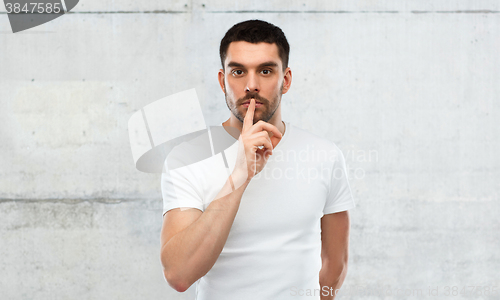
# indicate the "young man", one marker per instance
pixel 278 226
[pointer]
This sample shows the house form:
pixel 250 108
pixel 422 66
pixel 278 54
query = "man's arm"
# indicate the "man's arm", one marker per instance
pixel 334 252
pixel 191 240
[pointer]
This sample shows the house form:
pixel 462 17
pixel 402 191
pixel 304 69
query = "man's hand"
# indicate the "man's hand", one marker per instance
pixel 252 157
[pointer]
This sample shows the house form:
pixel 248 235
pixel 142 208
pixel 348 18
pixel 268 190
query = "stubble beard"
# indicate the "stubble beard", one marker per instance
pixel 265 115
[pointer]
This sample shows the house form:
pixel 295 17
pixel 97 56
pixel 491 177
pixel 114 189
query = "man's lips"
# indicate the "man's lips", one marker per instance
pixel 248 102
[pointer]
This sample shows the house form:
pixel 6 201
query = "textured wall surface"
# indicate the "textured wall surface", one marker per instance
pixel 409 90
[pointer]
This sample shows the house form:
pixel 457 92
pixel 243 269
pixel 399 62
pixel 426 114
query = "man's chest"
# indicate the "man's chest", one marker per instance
pixel 281 207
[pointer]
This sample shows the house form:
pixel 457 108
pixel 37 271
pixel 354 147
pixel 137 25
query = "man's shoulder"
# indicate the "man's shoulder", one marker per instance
pixel 307 137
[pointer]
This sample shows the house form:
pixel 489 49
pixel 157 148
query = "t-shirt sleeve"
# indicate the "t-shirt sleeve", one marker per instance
pixel 339 193
pixel 178 190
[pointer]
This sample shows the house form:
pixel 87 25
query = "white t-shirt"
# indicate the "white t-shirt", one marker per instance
pixel 274 245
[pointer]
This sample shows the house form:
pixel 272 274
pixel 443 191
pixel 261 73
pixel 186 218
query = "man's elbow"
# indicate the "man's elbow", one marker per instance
pixel 176 282
pixel 332 275
pixel 171 274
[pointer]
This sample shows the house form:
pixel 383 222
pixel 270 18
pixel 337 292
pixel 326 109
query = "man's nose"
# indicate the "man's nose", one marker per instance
pixel 252 83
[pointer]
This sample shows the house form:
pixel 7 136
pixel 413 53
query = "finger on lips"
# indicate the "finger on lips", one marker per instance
pixel 248 120
pixel 271 130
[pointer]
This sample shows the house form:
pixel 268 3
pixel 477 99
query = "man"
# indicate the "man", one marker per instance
pixel 278 226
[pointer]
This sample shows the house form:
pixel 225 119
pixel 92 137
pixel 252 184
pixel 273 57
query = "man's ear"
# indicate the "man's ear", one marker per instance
pixel 221 79
pixel 287 80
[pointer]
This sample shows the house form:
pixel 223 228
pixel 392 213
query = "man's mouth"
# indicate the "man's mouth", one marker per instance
pixel 248 102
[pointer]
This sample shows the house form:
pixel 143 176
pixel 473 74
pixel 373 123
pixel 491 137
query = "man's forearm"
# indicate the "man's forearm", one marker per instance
pixel 191 253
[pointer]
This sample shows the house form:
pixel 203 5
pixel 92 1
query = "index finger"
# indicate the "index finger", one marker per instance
pixel 248 121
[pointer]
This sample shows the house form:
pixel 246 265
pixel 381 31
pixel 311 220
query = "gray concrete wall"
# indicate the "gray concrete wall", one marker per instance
pixel 409 90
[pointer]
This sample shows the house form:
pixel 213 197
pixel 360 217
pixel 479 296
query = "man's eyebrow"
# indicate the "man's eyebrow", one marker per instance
pixel 233 64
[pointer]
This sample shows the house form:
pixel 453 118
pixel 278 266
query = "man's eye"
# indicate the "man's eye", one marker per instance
pixel 237 72
pixel 266 72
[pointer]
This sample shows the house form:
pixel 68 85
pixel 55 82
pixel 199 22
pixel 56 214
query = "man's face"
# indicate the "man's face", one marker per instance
pixel 253 71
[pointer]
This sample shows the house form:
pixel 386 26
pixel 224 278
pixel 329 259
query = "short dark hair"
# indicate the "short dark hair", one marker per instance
pixel 256 31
